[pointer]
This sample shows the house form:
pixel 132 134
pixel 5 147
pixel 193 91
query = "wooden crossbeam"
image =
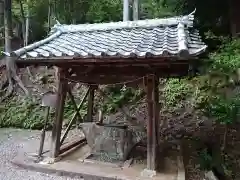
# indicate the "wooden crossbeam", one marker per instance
pixel 74 117
pixel 129 70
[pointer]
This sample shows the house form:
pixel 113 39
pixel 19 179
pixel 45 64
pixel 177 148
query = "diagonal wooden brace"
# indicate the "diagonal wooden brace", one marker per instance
pixel 74 104
pixel 74 117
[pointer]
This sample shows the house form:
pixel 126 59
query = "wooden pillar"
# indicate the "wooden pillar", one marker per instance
pixel 156 109
pixel 152 124
pixel 57 124
pixel 90 103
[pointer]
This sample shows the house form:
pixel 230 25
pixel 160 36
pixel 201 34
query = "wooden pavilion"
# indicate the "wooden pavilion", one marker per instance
pixel 115 52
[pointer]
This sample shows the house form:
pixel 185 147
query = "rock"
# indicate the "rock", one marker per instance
pixel 148 173
pixel 109 142
pixel 210 176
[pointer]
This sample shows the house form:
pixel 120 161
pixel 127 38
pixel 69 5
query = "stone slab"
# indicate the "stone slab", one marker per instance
pixel 89 171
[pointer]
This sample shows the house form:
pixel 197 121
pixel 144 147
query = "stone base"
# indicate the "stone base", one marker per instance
pixel 147 173
pixel 49 160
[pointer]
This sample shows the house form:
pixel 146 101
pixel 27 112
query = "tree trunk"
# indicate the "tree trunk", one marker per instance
pixel 27 25
pixel 234 17
pixel 8 24
pixel 49 14
pixel 25 28
pixel 9 61
pixel 135 10
pixel 23 19
pixel 1 13
pixel 1 23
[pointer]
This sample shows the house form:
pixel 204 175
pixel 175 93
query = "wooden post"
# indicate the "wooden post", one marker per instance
pixel 43 133
pixel 90 104
pixel 57 124
pixel 152 129
pixel 156 109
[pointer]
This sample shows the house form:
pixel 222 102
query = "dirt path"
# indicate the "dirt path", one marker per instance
pixel 11 142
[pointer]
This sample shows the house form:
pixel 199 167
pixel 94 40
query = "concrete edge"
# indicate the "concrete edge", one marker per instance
pixel 61 172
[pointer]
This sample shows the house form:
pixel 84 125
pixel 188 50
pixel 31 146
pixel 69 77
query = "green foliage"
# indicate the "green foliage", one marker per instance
pixel 225 110
pixel 206 160
pixel 210 15
pixel 176 90
pixel 215 92
pixel 104 11
pixel 227 59
pixel 69 110
pixel 29 114
pixel 120 96
pixel 91 11
pixel 157 9
pixel 22 113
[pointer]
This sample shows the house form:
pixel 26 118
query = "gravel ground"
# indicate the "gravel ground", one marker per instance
pixel 11 142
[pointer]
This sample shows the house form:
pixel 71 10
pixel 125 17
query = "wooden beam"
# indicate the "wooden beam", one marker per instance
pixel 63 61
pixel 57 124
pixel 90 103
pixel 151 124
pixel 127 70
pixel 71 145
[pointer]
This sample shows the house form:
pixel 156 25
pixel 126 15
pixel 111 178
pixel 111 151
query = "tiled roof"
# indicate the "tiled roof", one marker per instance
pixel 156 37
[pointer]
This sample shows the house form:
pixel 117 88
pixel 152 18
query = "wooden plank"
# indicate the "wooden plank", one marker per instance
pixel 90 103
pixel 57 124
pixel 71 145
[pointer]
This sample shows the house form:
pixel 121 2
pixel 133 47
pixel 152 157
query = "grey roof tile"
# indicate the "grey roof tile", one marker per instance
pixel 157 37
